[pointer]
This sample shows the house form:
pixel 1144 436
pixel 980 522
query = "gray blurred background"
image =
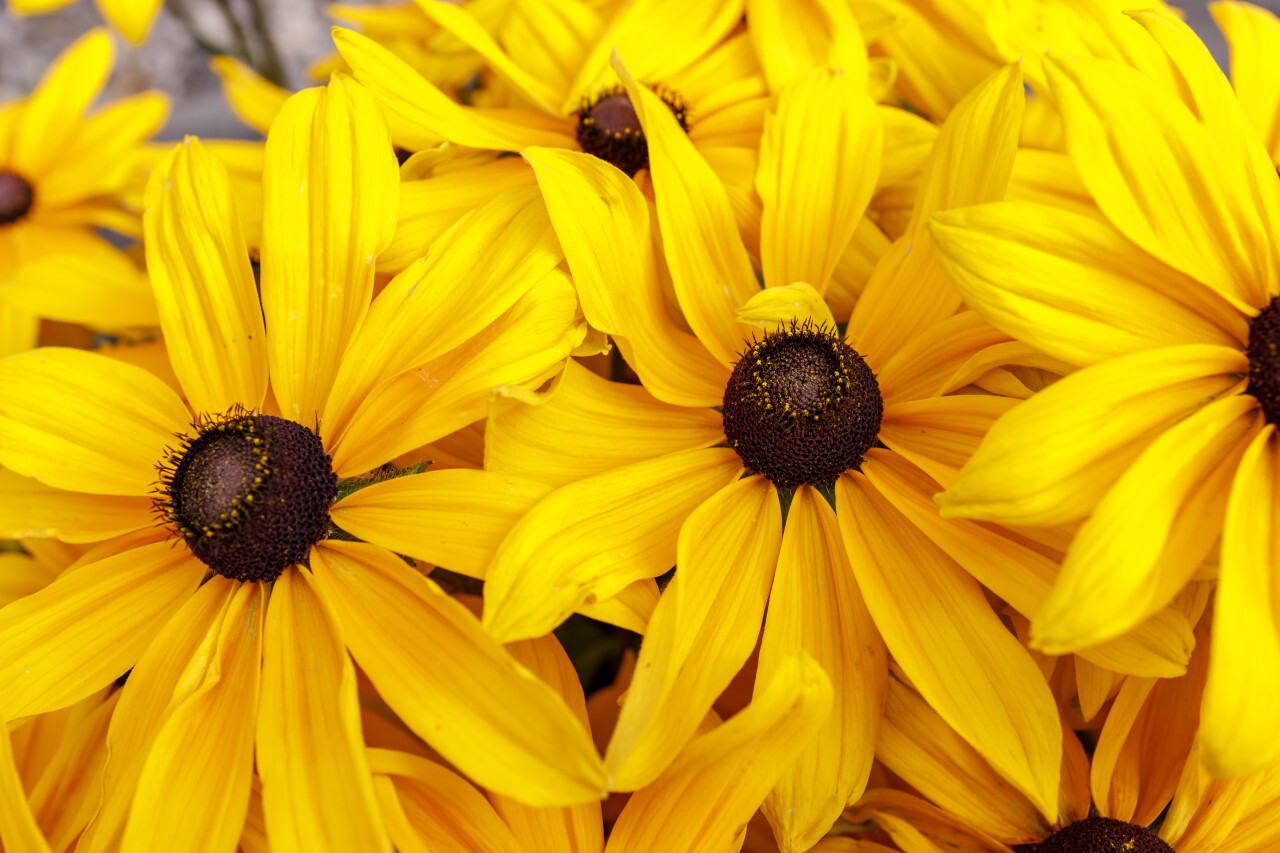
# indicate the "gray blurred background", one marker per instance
pixel 173 60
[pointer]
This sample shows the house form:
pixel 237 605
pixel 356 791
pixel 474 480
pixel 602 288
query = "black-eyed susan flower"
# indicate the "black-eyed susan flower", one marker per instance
pixel 652 477
pixel 694 56
pixel 239 614
pixel 1163 442
pixel 63 171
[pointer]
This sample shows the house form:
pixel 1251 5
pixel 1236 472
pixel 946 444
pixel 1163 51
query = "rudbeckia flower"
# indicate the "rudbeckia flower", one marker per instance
pixel 1163 442
pixel 62 174
pixel 239 614
pixel 693 54
pixel 652 477
pixel 131 18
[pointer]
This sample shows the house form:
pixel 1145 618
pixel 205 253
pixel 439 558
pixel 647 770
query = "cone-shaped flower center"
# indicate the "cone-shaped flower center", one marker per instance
pixel 16 197
pixel 250 494
pixel 801 407
pixel 1264 359
pixel 1103 835
pixel 609 128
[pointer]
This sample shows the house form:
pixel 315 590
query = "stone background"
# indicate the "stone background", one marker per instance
pixel 172 59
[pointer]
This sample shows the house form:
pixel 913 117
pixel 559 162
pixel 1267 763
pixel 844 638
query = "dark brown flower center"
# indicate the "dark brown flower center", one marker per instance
pixel 801 407
pixel 1103 835
pixel 16 197
pixel 1264 359
pixel 609 128
pixel 250 494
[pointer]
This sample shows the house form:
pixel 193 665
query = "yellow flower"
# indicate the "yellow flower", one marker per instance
pixel 1164 440
pixel 694 54
pixel 238 617
pixel 645 481
pixel 132 18
pixel 61 176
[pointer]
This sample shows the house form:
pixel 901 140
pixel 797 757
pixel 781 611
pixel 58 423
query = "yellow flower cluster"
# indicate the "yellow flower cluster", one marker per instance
pixel 650 426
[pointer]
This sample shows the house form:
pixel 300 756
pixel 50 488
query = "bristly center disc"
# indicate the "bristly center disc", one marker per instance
pixel 609 128
pixel 1103 835
pixel 1264 359
pixel 16 197
pixel 249 494
pixel 801 407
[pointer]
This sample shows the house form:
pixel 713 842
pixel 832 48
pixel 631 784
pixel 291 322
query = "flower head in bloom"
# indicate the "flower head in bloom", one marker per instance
pixel 239 614
pixel 132 18
pixel 693 55
pixel 1164 441
pixel 845 436
pixel 62 174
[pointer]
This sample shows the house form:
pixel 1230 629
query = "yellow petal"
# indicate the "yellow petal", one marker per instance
pixel 703 629
pixel 1150 532
pixel 819 160
pixel 330 190
pixel 145 703
pixel 603 223
pixel 970 163
pixel 917 745
pixel 954 649
pixel 793 38
pixel 939 434
pixel 1073 286
pixel 1051 459
pixel 1022 575
pixel 50 117
pixel 659 37
pixel 21 575
pixel 551 39
pixel 88 281
pixel 586 425
pixel 405 92
pixel 454 685
pixel 1253 34
pixel 317 793
pixel 776 307
pixel 631 609
pixel 253 99
pixel 815 607
pixel 522 348
pixel 78 421
pixel 18 828
pixel 471 276
pixel 1247 174
pixel 88 627
pixel 203 283
pixel 430 808
pixel 454 518
pixel 928 362
pixel 133 18
pixel 430 207
pixel 593 537
pixel 1142 154
pixel 710 268
pixel 703 801
pixel 194 789
pixel 1239 734
pixel 29 509
pixel 577 829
